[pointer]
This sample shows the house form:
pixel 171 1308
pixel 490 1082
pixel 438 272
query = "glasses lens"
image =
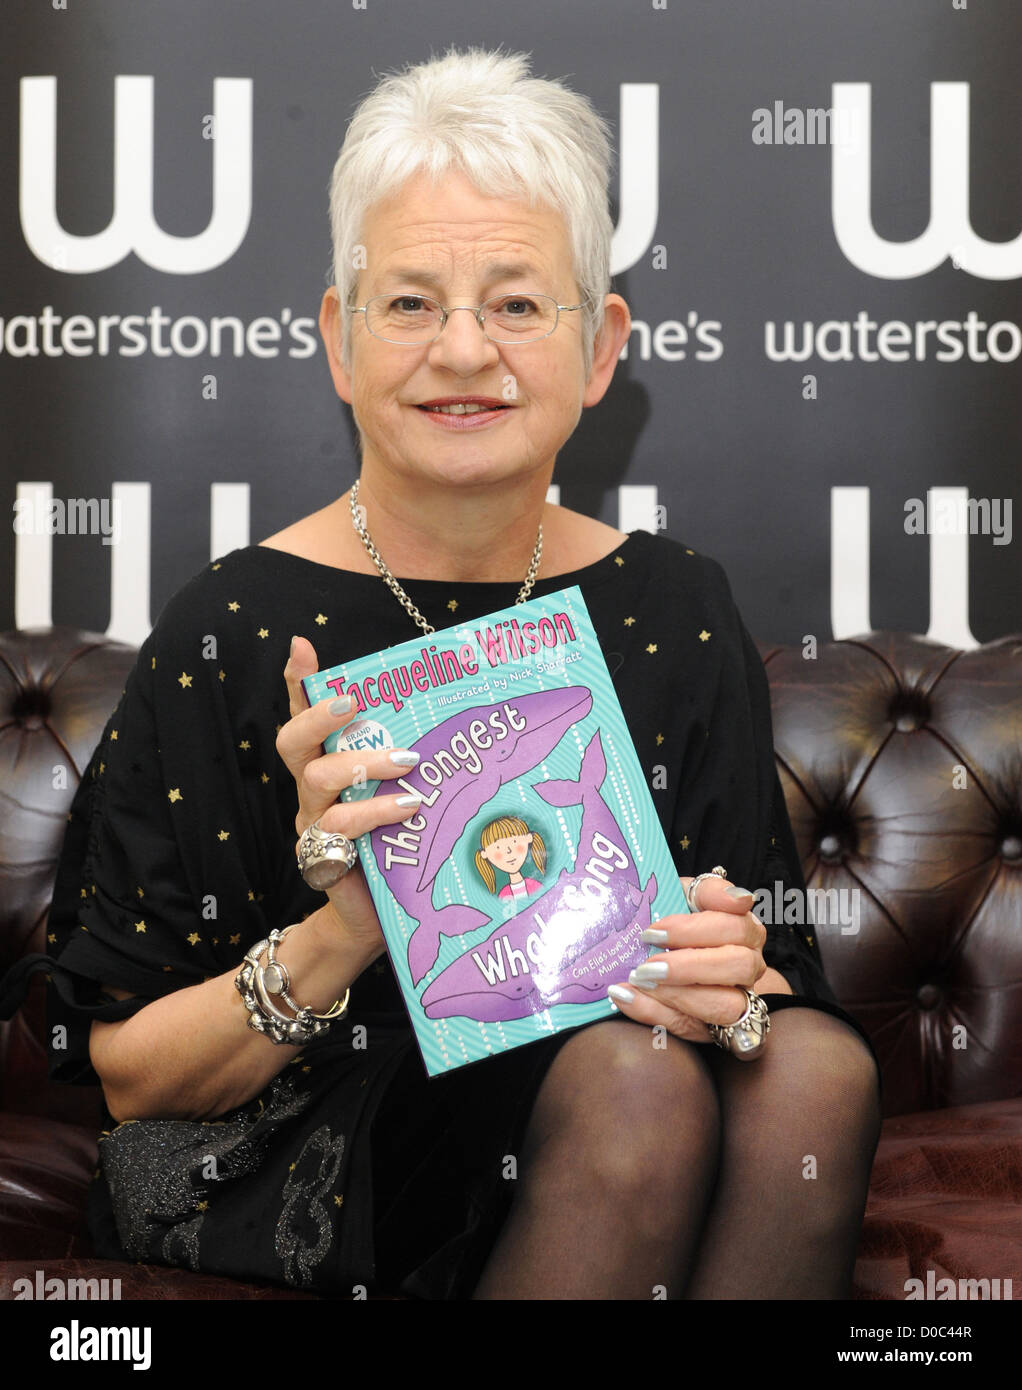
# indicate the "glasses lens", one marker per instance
pixel 519 318
pixel 403 318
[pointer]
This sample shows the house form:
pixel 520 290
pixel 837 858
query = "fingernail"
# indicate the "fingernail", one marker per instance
pixel 648 972
pixel 404 759
pixel 408 800
pixel 653 936
pixel 341 705
pixel 619 992
pixel 291 649
pixel 734 892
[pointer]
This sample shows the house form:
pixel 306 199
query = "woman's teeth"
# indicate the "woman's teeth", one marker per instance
pixel 460 408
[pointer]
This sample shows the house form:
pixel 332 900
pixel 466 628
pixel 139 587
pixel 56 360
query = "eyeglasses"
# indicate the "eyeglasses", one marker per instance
pixel 413 320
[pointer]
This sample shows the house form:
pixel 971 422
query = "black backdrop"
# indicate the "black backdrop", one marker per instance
pixel 721 235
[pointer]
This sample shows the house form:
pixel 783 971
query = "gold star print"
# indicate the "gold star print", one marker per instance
pixel 217 565
pixel 113 735
pixel 659 739
pixel 202 1206
pixel 233 607
pixel 223 835
pixel 263 632
pixel 194 939
pixel 689 552
pixel 244 745
pixel 84 894
pixel 175 794
pixel 291 1167
pixel 452 604
pixel 251 896
pixel 704 636
pixel 184 680
pixel 93 887
pixel 339 1200
pixel 154 663
pixel 684 842
pixel 263 777
pixel 140 926
pixel 629 622
pixel 321 618
pixel 652 647
pixel 221 675
pixel 306 1068
pixel 51 937
pixel 140 892
pixel 618 560
pixel 235 939
pixel 102 768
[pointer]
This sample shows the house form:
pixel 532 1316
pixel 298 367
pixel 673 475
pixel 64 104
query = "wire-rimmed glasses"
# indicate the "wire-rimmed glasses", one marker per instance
pixel 413 320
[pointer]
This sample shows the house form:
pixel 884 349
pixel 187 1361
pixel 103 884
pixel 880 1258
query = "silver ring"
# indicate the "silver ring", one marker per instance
pixel 745 1037
pixel 718 871
pixel 324 857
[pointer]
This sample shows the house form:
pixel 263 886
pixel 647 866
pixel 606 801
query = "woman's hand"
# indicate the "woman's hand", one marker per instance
pixel 709 955
pixel 321 776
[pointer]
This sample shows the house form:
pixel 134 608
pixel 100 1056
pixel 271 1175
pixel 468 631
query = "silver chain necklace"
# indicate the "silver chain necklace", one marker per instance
pixel 396 588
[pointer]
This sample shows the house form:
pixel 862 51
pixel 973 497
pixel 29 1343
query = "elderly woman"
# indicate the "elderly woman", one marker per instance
pixel 469 325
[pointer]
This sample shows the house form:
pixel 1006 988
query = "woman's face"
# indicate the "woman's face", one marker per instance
pixel 459 248
pixel 510 851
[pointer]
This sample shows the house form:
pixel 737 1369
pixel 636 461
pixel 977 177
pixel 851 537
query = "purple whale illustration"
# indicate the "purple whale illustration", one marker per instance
pixel 500 742
pixel 569 943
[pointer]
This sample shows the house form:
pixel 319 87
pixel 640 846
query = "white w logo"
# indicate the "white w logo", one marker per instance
pixel 131 228
pixel 950 231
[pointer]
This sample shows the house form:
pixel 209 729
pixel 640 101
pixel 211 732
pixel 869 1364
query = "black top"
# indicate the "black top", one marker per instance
pixel 179 855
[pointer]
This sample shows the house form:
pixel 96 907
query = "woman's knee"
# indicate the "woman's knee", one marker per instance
pixel 626 1106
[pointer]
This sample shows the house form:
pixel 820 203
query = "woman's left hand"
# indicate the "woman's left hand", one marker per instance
pixel 710 955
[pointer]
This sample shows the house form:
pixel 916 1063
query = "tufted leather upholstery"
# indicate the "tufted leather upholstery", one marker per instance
pixel 901 762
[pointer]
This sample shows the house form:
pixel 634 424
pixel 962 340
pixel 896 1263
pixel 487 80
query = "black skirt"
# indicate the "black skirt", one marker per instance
pixel 353 1174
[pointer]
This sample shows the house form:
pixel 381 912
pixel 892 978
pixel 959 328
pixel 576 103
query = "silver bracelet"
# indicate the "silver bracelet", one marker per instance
pixel 263 1014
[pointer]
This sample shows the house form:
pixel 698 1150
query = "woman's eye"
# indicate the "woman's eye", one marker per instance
pixel 406 300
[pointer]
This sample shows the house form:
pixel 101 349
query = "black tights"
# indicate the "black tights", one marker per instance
pixel 680 1172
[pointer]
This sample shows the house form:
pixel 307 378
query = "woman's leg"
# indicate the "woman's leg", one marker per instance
pixel 617 1167
pixel 799 1130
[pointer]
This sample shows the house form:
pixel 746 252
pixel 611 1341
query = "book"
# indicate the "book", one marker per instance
pixel 519 889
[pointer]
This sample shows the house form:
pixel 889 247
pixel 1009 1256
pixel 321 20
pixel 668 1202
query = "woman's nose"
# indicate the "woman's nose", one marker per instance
pixel 462 344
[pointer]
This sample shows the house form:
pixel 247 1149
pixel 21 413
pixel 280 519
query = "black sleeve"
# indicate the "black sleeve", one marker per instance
pixel 175 860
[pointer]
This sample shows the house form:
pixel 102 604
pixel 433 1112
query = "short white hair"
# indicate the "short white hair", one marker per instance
pixel 513 136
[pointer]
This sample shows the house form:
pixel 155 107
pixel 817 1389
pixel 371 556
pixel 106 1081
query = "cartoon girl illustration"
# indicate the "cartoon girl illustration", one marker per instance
pixel 506 844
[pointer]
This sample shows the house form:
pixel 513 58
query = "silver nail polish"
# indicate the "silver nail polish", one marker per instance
pixel 648 971
pixel 408 800
pixel 404 759
pixel 654 936
pixel 341 705
pixel 619 992
pixel 734 892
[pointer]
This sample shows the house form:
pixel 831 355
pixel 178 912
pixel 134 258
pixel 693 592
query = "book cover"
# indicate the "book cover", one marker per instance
pixel 519 889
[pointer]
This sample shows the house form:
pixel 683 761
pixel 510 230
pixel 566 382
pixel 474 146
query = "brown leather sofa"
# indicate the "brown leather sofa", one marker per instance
pixel 901 762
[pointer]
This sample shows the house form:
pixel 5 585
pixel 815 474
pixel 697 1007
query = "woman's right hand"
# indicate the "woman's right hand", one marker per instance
pixel 320 778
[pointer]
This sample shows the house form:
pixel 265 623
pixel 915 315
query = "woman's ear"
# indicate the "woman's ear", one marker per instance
pixel 330 332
